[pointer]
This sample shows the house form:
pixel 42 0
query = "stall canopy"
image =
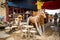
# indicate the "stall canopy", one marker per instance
pixel 51 5
pixel 29 4
pixel 23 4
pixel 49 11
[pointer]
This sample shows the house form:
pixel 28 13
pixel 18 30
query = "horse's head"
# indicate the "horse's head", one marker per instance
pixel 41 14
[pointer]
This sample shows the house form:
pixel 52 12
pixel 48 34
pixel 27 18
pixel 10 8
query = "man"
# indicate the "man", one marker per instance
pixel 55 19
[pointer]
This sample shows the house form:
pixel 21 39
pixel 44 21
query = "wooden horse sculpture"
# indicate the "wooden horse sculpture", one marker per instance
pixel 18 20
pixel 38 20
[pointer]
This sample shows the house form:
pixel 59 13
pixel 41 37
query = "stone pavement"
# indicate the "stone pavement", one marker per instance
pixel 47 35
pixel 17 36
pixel 53 36
pixel 3 34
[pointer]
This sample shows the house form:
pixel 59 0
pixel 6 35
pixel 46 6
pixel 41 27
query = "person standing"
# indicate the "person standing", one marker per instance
pixel 55 19
pixel 59 26
pixel 51 18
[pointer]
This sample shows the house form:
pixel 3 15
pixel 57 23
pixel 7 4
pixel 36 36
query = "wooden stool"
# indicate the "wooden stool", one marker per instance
pixel 28 27
pixel 33 33
pixel 24 32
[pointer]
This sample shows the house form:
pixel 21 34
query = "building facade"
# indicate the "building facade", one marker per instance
pixel 18 6
pixel 2 9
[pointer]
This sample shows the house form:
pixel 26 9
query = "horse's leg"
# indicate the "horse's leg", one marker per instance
pixel 40 28
pixel 37 28
pixel 36 24
pixel 43 29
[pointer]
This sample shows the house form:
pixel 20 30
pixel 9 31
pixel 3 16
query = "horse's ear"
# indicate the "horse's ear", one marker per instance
pixel 44 16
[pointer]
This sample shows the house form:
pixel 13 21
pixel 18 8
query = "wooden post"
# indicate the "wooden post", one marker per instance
pixel 7 13
pixel 23 10
pixel 13 12
pixel 16 11
pixel 20 10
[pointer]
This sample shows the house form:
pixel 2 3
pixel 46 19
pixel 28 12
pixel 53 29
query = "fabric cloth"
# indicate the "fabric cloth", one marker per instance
pixel 5 18
pixel 51 5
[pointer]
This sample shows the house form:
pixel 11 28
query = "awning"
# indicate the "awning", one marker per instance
pixel 49 11
pixel 23 5
pixel 51 5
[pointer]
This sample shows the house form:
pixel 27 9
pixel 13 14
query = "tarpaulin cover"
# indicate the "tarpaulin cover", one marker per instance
pixel 51 5
pixel 24 4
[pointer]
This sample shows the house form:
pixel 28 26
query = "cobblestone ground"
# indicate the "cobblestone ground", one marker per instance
pixel 47 35
pixel 53 36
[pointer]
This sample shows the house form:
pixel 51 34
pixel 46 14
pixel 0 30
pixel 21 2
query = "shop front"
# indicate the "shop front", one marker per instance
pixel 16 7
